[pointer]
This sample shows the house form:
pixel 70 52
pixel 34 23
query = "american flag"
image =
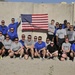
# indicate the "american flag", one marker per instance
pixel 34 21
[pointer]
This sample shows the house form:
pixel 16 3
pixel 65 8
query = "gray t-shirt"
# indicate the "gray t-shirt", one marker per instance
pixel 16 46
pixel 29 43
pixel 7 44
pixel 61 33
pixel 1 38
pixel 71 35
pixel 66 46
pixel 52 28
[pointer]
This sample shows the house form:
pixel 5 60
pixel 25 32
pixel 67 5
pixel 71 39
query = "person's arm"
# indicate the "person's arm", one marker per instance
pixel 50 30
pixel 63 48
pixel 57 39
pixel 65 33
pixel 19 20
pixel 57 36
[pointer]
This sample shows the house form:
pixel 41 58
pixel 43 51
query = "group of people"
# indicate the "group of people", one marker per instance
pixel 60 42
pixel 63 36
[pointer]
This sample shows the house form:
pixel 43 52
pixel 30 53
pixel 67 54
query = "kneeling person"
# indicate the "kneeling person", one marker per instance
pixel 66 49
pixel 52 50
pixel 16 48
pixel 40 46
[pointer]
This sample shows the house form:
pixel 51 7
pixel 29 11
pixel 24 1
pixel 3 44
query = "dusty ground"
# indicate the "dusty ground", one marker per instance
pixel 18 66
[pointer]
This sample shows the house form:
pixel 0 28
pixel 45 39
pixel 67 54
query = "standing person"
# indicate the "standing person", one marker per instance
pixel 3 28
pixel 40 47
pixel 60 36
pixel 12 34
pixel 14 25
pixel 64 25
pixel 7 44
pixel 66 47
pixel 68 26
pixel 51 29
pixel 56 28
pixel 71 34
pixel 2 50
pixel 16 49
pixel 1 37
pixel 29 44
pixel 52 50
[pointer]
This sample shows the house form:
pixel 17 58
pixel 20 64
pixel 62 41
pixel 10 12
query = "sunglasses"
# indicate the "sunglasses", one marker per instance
pixel 0 33
pixel 39 39
pixel 29 37
pixel 16 40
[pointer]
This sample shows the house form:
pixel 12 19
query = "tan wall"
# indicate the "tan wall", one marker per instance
pixel 59 12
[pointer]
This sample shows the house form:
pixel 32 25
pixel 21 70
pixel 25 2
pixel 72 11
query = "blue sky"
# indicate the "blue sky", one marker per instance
pixel 44 1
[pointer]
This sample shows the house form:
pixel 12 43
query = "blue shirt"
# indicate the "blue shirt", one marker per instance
pixel 22 42
pixel 63 26
pixel 12 35
pixel 14 25
pixel 4 29
pixel 73 47
pixel 39 46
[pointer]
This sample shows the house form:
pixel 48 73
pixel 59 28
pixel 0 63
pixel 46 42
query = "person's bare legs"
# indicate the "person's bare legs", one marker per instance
pixel 43 52
pixel 21 52
pixel 55 54
pixel 32 52
pixel 63 57
pixel 26 56
pixel 37 54
pixel 11 54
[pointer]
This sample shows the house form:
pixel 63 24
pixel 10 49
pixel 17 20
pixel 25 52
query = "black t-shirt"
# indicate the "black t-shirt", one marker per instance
pixel 51 49
pixel 1 45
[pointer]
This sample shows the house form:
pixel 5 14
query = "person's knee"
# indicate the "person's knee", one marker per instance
pixel 26 56
pixel 56 53
pixel 64 55
pixel 11 54
pixel 62 59
pixel 71 54
pixel 22 51
pixel 3 51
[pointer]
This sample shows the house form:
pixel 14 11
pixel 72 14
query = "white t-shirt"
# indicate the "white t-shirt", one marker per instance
pixel 71 35
pixel 16 46
pixel 52 28
pixel 61 33
pixel 66 46
pixel 7 44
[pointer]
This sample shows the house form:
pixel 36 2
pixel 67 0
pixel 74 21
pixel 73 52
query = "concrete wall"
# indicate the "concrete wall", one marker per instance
pixel 59 12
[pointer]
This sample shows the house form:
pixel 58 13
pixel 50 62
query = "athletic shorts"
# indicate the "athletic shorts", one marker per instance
pixel 6 52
